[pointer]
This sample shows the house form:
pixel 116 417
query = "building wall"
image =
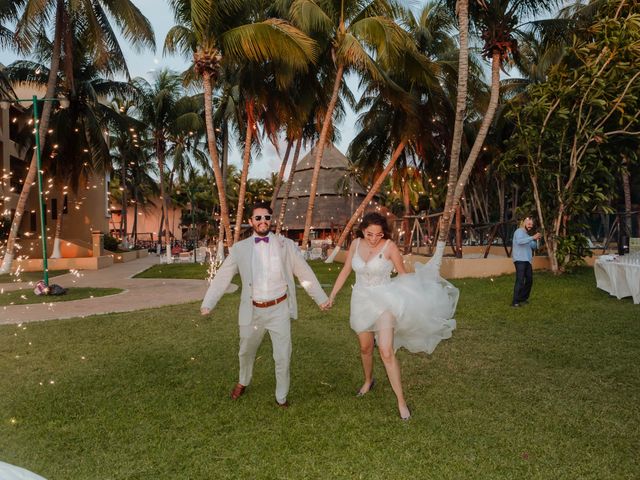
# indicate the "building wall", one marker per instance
pixel 87 209
pixel 148 221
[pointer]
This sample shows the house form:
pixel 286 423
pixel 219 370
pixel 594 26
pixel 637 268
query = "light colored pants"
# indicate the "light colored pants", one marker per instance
pixel 276 321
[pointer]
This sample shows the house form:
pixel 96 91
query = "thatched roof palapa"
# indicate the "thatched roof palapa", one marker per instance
pixel 332 207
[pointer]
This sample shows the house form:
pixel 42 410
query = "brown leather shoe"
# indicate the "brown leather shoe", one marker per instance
pixel 237 391
pixel 282 405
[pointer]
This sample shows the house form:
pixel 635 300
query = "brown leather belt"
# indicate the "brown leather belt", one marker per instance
pixel 270 303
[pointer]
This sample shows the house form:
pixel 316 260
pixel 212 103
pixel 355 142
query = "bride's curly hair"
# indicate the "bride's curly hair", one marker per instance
pixel 374 218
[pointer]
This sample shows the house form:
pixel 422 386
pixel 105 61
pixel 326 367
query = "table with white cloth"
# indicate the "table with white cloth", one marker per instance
pixel 619 276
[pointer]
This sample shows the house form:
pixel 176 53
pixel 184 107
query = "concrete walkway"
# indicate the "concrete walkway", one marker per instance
pixel 139 293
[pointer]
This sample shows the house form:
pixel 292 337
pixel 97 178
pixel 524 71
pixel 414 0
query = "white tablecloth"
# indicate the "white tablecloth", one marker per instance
pixel 617 278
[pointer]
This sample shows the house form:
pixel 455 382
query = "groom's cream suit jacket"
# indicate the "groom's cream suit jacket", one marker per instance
pixel 240 260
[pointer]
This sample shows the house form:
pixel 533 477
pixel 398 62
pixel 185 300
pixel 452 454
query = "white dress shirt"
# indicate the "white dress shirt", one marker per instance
pixel 268 279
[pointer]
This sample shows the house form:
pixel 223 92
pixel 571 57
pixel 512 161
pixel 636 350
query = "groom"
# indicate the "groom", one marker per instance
pixel 267 264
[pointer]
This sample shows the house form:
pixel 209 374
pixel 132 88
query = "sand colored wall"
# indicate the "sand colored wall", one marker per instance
pixel 149 220
pixel 85 263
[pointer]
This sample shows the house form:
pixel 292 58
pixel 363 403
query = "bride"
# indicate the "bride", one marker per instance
pixel 413 310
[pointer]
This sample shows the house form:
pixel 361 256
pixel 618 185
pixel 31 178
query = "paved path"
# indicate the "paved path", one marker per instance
pixel 139 293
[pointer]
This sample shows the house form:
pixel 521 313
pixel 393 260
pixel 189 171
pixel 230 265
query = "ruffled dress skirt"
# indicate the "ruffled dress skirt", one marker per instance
pixel 419 307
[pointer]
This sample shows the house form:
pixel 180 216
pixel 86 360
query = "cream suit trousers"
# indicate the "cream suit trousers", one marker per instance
pixel 276 321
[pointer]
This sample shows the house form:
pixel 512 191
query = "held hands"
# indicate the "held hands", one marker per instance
pixel 327 305
pixel 205 311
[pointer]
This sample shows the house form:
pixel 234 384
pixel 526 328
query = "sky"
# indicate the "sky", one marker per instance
pixel 145 64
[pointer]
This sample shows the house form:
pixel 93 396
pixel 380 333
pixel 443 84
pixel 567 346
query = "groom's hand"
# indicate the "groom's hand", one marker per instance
pixel 326 305
pixel 205 311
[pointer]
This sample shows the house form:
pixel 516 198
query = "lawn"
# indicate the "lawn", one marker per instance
pixel 547 391
pixel 26 295
pixel 29 276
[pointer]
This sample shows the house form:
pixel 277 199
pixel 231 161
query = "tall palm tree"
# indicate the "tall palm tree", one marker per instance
pixel 350 29
pixel 33 18
pixel 409 110
pixel 211 32
pixel 496 21
pixel 158 110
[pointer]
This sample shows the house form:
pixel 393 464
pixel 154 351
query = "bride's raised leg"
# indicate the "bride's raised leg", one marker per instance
pixel 366 340
pixel 391 364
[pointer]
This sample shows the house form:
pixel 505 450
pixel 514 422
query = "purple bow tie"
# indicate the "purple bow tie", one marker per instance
pixel 262 239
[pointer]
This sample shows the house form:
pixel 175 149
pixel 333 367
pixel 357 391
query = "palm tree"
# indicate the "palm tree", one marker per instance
pixel 350 29
pixel 496 20
pixel 127 154
pixel 33 18
pixel 211 32
pixel 415 118
pixel 158 110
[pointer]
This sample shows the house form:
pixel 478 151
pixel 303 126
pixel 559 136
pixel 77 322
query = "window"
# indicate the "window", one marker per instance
pixel 18 169
pixel 54 209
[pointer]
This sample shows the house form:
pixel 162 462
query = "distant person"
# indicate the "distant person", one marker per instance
pixel 522 254
pixel 267 264
pixel 413 310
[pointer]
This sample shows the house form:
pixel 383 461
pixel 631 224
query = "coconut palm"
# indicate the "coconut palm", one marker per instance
pixel 212 32
pixel 33 18
pixel 496 22
pixel 350 29
pixel 159 109
pixel 416 117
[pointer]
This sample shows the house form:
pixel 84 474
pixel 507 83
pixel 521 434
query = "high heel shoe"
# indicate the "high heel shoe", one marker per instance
pixel 408 417
pixel 360 393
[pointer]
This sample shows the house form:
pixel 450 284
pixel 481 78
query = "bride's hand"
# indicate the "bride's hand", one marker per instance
pixel 327 305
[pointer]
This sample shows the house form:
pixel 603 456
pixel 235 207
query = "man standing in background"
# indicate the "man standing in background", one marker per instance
pixel 522 254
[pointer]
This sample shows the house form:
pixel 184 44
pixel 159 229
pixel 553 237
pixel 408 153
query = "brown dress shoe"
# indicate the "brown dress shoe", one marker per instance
pixel 282 405
pixel 237 391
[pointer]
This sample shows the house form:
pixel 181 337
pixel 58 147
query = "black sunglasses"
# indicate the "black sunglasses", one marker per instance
pixel 257 218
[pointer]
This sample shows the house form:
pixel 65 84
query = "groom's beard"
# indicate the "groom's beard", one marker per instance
pixel 262 229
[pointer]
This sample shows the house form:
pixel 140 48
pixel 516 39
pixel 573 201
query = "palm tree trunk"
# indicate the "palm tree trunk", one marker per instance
pixel 407 211
pixel 134 228
pixel 283 167
pixel 287 189
pixel 372 191
pixel 462 8
pixel 123 215
pixel 460 183
pixel 43 126
pixel 56 239
pixel 318 154
pixel 213 152
pixel 245 171
pixel 164 220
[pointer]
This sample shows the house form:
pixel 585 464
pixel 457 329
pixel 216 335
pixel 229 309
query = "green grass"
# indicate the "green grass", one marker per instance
pixel 176 270
pixel 29 276
pixel 547 391
pixel 326 273
pixel 26 295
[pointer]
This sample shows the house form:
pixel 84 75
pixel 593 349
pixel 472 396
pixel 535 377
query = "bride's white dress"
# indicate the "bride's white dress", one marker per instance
pixel 11 472
pixel 419 306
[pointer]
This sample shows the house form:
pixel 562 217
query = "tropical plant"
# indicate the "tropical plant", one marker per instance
pixel 570 129
pixel 213 32
pixel 351 30
pixel 496 22
pixel 160 111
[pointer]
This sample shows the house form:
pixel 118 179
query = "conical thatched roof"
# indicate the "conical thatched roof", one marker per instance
pixel 333 205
